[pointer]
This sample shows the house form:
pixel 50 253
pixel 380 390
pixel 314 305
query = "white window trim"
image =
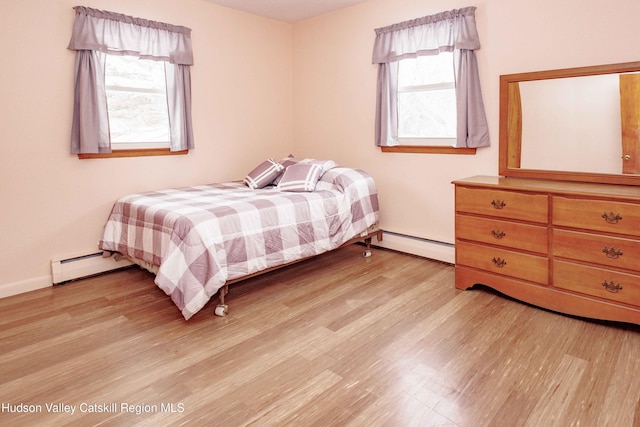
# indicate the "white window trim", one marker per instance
pixel 138 145
pixel 427 88
pixel 428 142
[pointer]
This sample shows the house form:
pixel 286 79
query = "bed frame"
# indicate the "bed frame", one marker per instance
pixel 222 309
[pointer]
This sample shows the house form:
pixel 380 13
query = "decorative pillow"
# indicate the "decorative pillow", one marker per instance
pixel 263 174
pixel 300 177
pixel 286 162
pixel 290 160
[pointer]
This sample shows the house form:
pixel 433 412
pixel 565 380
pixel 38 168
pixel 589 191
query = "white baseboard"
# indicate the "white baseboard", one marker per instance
pixel 440 251
pixel 84 265
pixel 63 270
pixel 15 288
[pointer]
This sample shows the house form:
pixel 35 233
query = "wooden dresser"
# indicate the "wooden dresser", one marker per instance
pixel 569 247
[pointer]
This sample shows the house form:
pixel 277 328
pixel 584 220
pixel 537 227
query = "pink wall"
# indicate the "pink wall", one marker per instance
pixel 54 205
pixel 334 88
pixel 261 88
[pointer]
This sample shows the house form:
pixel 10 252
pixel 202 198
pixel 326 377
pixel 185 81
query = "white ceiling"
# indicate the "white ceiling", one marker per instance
pixel 287 10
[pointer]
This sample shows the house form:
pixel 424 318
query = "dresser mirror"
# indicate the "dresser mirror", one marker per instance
pixel 575 124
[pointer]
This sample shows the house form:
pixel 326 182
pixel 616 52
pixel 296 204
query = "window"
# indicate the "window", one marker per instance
pixel 125 106
pixel 427 101
pixel 136 103
pixel 419 108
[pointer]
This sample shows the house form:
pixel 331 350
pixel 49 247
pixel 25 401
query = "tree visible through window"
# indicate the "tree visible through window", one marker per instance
pixel 136 102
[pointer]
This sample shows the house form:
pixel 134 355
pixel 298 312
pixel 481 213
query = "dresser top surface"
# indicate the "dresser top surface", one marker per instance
pixel 543 185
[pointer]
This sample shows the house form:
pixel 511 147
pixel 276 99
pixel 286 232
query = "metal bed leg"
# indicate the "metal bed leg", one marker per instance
pixel 367 252
pixel 367 242
pixel 222 309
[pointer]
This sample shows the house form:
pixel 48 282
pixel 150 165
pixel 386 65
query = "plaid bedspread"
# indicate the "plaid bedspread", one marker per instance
pixel 202 236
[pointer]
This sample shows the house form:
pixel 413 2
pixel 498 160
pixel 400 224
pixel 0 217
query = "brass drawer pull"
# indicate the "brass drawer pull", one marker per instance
pixel 612 252
pixel 499 262
pixel 611 218
pixel 498 234
pixel 498 204
pixel 611 286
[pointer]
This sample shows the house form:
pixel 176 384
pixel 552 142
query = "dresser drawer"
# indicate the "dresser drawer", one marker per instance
pixel 502 261
pixel 514 235
pixel 503 204
pixel 598 282
pixel 614 217
pixel 599 249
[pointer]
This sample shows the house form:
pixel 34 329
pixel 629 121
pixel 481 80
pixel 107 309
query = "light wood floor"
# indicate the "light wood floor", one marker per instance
pixel 339 340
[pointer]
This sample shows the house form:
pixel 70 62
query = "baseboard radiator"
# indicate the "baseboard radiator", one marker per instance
pixel 433 249
pixel 76 267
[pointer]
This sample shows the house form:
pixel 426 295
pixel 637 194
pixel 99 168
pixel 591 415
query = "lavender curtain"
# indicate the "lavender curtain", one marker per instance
pixel 453 30
pixel 97 32
pixel 179 103
pixel 90 128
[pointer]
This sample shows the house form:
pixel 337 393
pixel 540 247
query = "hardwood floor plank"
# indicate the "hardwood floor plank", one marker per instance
pixel 554 405
pixel 339 340
pixel 621 397
pixel 601 347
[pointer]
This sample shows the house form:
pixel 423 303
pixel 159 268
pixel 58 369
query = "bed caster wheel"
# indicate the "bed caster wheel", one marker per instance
pixel 222 310
pixel 366 254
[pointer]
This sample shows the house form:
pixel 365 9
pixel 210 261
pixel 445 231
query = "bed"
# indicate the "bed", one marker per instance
pixel 198 240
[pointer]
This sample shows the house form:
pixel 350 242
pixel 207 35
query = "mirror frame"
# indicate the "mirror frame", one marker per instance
pixel 510 147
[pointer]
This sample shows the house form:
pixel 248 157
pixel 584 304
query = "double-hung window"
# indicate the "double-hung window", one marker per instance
pixel 427 101
pixel 428 89
pixel 136 92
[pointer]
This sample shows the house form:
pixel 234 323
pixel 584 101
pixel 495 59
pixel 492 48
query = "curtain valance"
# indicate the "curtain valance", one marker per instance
pixel 446 31
pixel 116 33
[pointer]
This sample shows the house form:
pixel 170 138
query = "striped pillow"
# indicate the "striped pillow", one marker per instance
pixel 290 160
pixel 263 174
pixel 300 177
pixel 286 162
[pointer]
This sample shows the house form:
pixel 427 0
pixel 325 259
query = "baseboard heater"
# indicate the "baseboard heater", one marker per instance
pixel 76 267
pixel 433 249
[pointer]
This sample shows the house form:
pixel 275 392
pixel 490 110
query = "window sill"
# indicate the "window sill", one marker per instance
pixel 424 149
pixel 139 152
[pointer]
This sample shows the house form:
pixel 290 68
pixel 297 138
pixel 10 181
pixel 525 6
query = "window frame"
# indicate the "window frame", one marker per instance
pixel 130 62
pixel 128 152
pixel 426 148
pixel 440 75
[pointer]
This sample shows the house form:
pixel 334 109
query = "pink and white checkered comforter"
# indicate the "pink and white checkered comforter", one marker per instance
pixel 202 236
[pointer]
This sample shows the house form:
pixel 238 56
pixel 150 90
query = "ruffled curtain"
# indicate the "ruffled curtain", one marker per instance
pixel 97 32
pixel 449 31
